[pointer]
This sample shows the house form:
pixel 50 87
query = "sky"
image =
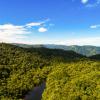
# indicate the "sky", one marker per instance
pixel 64 22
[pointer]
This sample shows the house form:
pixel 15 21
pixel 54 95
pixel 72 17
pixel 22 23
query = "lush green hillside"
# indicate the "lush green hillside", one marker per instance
pixel 22 69
pixel 68 75
pixel 84 50
pixel 95 57
pixel 74 81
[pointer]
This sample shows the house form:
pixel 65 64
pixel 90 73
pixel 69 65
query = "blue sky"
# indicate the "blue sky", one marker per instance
pixel 68 22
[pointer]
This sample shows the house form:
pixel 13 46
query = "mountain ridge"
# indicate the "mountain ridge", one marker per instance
pixel 87 50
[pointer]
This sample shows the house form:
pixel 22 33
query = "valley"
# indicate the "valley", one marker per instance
pixel 67 74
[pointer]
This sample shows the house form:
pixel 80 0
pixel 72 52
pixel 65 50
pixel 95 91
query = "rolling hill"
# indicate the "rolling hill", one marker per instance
pixel 84 50
pixel 67 74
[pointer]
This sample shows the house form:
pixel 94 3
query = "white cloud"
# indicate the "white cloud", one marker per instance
pixel 88 3
pixel 41 23
pixel 78 41
pixel 84 1
pixel 42 29
pixel 95 26
pixel 85 41
pixel 16 33
pixel 33 24
pixel 10 32
pixel 94 4
pixel 10 29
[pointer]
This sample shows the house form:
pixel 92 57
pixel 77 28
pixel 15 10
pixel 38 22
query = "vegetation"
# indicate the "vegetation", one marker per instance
pixel 95 57
pixel 75 81
pixel 84 50
pixel 68 75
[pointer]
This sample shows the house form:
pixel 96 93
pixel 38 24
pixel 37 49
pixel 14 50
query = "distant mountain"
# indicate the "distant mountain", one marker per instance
pixel 95 57
pixel 47 52
pixel 84 50
pixel 27 45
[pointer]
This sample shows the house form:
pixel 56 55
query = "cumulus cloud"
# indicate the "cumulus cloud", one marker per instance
pixel 16 33
pixel 10 32
pixel 84 1
pixel 42 29
pixel 10 29
pixel 95 26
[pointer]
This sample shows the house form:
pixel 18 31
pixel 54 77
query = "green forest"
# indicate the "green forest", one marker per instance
pixel 67 74
pixel 87 50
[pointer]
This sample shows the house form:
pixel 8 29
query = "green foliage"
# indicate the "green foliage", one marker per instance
pixel 84 50
pixel 20 70
pixel 95 57
pixel 68 75
pixel 74 81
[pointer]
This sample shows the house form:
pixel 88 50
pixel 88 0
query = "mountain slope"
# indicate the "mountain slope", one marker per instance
pixel 22 69
pixel 74 81
pixel 95 57
pixel 84 50
pixel 68 75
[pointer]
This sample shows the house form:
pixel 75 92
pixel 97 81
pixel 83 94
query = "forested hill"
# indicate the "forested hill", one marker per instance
pixel 84 50
pixel 95 57
pixel 23 68
pixel 68 75
pixel 16 51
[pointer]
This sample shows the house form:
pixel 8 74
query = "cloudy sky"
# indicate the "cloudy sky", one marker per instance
pixel 68 22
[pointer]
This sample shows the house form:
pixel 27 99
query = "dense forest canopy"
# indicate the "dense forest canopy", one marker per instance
pixel 87 50
pixel 68 75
